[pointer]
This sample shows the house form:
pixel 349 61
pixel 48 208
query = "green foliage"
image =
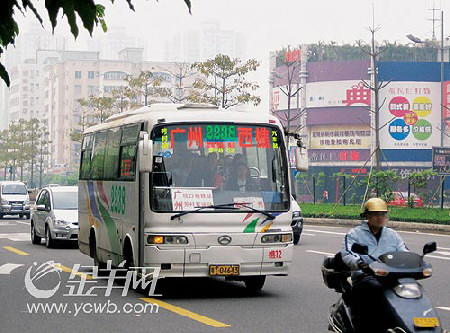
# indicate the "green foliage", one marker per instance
pixel 223 82
pixel 382 182
pixel 143 87
pixel 418 181
pixel 90 13
pixel 322 51
pixel 433 215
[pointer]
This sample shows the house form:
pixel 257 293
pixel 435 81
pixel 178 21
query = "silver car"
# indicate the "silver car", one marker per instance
pixel 55 217
pixel 14 199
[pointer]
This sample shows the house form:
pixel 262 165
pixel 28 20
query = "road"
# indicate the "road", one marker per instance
pixel 297 303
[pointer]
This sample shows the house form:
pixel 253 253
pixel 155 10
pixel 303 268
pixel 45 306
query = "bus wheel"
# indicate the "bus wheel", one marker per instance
pixel 93 249
pixel 254 283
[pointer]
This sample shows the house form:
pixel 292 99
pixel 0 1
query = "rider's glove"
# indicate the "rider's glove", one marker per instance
pixel 362 265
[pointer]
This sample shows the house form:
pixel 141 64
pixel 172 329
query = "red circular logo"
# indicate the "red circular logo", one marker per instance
pixel 398 106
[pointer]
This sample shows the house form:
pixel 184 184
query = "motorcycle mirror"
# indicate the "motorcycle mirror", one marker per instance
pixel 429 247
pixel 360 249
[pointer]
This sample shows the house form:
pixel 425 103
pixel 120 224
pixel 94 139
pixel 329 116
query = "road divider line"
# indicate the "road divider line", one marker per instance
pixel 318 252
pixel 13 249
pixel 444 308
pixel 443 248
pixel 71 271
pixel 328 232
pixel 8 268
pixel 26 223
pixel 306 234
pixel 186 313
pixel 437 257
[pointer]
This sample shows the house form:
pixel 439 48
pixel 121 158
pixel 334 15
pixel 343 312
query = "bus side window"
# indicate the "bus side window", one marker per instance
pixel 127 162
pixel 98 156
pixel 111 163
pixel 86 151
pixel 128 148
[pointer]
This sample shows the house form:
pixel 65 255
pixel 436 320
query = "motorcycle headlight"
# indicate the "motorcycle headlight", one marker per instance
pixel 60 223
pixel 408 290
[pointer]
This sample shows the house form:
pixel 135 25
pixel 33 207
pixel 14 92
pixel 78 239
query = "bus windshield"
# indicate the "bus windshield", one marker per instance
pixel 198 165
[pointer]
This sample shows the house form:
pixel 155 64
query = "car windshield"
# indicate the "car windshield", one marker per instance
pixel 14 189
pixel 217 164
pixel 65 200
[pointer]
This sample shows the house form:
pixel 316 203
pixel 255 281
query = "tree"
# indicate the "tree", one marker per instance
pixel 143 86
pixel 90 13
pixel 223 82
pixel 179 92
pixel 4 151
pixel 292 71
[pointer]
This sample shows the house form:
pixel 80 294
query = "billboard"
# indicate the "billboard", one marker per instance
pixel 337 93
pixel 410 115
pixel 441 160
pixel 352 136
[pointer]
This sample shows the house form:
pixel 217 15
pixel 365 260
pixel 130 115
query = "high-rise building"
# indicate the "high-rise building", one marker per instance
pixel 205 43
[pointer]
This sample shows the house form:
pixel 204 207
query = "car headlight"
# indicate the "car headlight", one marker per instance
pixel 277 238
pixel 296 214
pixel 156 240
pixel 26 202
pixel 5 202
pixel 60 223
pixel 408 290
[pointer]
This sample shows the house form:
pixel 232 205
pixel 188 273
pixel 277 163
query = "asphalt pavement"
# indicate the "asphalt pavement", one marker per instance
pixel 296 303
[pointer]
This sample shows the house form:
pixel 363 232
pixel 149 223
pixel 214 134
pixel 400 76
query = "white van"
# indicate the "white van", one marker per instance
pixel 14 199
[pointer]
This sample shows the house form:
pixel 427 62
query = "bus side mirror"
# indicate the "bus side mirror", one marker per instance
pixel 145 153
pixel 301 158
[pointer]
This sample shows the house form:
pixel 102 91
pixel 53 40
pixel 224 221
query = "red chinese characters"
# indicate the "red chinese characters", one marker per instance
pixel 263 137
pixel 175 131
pixel 245 137
pixel 195 134
pixel 357 94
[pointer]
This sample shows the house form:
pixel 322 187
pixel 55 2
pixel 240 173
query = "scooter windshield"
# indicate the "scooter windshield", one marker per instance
pixel 406 260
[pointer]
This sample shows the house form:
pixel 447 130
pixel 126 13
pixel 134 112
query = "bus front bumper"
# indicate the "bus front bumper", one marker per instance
pixel 274 260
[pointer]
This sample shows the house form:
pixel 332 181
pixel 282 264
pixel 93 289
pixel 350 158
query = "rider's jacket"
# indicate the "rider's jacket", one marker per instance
pixel 390 241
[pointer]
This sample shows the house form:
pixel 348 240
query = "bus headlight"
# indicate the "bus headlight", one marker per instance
pixel 276 238
pixel 155 240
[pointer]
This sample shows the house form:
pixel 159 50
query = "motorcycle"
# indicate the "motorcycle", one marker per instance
pixel 398 272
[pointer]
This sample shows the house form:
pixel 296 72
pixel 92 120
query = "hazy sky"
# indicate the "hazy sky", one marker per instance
pixel 269 25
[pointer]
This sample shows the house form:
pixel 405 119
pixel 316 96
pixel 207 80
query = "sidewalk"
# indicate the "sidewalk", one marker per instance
pixel 408 226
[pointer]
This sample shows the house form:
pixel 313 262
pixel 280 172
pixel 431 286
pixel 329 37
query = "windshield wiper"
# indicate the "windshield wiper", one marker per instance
pixel 224 206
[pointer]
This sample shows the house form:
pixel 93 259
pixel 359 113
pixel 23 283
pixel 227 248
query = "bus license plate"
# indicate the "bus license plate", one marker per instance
pixel 426 322
pixel 223 269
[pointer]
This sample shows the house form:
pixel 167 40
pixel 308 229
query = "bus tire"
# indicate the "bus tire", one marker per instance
pixel 93 252
pixel 254 283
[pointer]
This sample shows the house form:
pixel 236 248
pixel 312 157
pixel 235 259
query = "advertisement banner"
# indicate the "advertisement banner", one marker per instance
pixel 337 93
pixel 410 115
pixel 279 100
pixel 355 136
pixel 441 160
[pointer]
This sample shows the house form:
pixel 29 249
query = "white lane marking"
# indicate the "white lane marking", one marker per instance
pixel 8 268
pixel 437 257
pixel 17 236
pixel 318 252
pixel 421 233
pixel 443 248
pixel 6 224
pixel 444 308
pixel 444 253
pixel 306 234
pixel 26 223
pixel 328 232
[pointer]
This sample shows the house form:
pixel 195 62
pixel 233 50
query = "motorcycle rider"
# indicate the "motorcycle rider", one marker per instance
pixel 370 310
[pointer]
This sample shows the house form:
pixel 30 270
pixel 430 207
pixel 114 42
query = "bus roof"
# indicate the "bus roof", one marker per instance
pixel 173 113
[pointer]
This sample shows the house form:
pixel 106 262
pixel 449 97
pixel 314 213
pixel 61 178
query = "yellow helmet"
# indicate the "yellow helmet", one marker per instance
pixel 375 205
